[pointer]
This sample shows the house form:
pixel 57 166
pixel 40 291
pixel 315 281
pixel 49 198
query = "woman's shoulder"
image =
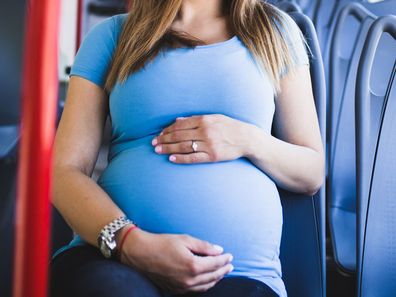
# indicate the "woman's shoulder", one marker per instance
pixel 109 28
pixel 293 37
pixel 287 26
pixel 96 51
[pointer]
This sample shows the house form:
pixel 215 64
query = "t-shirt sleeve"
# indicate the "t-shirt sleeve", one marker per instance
pixel 95 54
pixel 295 42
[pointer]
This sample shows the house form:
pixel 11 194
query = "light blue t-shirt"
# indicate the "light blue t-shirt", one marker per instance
pixel 233 203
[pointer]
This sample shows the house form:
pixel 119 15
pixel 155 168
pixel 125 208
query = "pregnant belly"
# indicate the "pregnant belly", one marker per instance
pixel 232 203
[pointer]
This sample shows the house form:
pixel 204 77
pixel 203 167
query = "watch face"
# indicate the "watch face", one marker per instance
pixel 107 253
pixel 104 248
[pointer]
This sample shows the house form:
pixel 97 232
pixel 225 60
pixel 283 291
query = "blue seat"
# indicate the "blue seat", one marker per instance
pixel 376 162
pixel 325 20
pixel 288 6
pixel 9 136
pixel 309 7
pixel 381 8
pixel 327 12
pixel 350 33
pixel 303 240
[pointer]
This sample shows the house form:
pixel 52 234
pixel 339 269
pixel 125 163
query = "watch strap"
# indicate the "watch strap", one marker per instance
pixel 111 228
pixel 106 239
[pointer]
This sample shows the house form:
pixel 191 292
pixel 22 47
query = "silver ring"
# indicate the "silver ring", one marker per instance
pixel 194 146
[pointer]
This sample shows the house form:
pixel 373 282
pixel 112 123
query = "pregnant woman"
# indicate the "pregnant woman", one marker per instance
pixel 211 108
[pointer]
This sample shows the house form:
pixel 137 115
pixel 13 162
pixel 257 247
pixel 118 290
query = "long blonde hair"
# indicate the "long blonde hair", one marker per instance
pixel 147 30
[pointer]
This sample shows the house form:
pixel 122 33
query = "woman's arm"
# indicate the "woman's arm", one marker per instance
pixel 168 259
pixel 83 204
pixel 294 160
pixel 294 156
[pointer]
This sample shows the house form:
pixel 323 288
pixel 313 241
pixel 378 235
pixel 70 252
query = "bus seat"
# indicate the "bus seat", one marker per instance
pixel 349 36
pixel 9 136
pixel 350 32
pixel 327 12
pixel 309 7
pixel 303 240
pixel 319 92
pixel 381 8
pixel 376 162
pixel 288 6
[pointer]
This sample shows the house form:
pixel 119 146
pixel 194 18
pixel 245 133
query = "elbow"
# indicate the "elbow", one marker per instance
pixel 317 177
pixel 314 185
pixel 312 191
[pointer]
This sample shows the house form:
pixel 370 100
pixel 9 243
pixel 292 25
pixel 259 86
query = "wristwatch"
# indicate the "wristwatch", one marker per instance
pixel 106 239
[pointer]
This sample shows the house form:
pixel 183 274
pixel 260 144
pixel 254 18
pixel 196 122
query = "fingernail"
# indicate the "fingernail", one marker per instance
pixel 172 158
pixel 230 259
pixel 158 148
pixel 154 142
pixel 232 268
pixel 180 118
pixel 218 248
pixel 162 133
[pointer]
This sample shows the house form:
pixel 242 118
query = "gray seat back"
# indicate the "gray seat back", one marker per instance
pixel 381 8
pixel 327 12
pixel 304 216
pixel 349 36
pixel 288 6
pixel 350 31
pixel 309 7
pixel 376 163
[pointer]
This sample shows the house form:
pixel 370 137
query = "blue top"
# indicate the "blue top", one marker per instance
pixel 233 203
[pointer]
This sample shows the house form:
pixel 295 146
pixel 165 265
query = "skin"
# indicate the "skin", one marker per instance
pixel 181 263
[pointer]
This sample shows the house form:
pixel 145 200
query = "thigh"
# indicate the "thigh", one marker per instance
pixel 83 271
pixel 236 287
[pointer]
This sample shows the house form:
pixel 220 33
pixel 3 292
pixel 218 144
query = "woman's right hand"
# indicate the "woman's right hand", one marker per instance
pixel 176 263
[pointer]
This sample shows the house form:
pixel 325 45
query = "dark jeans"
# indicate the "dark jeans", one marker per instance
pixel 83 271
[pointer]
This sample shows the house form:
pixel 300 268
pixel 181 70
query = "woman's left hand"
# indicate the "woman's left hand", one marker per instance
pixel 217 137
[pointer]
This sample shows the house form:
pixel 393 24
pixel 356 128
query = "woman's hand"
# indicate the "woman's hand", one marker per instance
pixel 176 263
pixel 218 138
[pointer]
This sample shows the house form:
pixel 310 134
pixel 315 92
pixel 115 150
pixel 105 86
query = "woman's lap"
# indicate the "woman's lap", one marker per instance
pixel 83 271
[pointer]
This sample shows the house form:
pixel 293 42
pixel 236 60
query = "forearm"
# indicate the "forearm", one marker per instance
pixel 293 167
pixel 82 203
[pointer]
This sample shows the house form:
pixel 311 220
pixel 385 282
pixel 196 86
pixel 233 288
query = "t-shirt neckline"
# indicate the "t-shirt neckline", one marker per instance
pixel 211 45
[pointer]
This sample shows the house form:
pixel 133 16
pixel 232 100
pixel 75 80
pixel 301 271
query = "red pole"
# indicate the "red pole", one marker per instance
pixel 80 9
pixel 39 101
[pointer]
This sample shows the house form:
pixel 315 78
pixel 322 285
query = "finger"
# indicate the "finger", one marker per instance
pixel 199 157
pixel 214 276
pixel 178 136
pixel 202 288
pixel 192 122
pixel 210 263
pixel 202 247
pixel 182 123
pixel 183 147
